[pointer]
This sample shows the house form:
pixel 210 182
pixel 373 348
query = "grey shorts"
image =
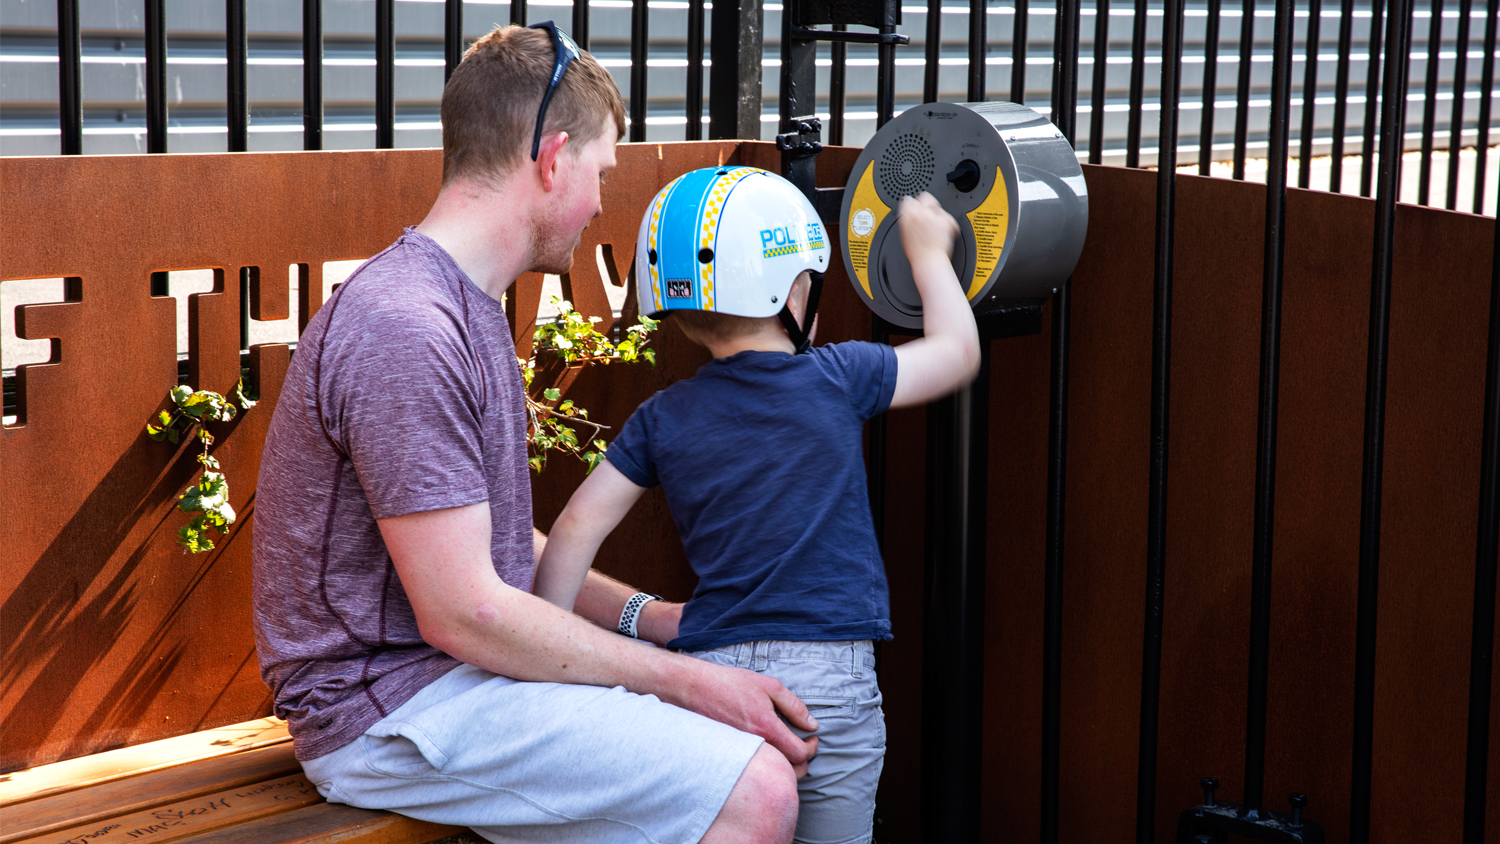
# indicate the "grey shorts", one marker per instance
pixel 541 762
pixel 837 682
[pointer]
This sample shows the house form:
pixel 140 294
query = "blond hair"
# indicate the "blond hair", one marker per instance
pixel 490 103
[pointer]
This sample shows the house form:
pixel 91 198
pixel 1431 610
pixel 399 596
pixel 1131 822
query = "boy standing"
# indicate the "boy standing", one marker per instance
pixel 760 456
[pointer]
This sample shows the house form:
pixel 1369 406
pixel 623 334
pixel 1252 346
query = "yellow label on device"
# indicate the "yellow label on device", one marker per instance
pixel 865 213
pixel 989 222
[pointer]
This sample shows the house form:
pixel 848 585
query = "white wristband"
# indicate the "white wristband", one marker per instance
pixel 632 612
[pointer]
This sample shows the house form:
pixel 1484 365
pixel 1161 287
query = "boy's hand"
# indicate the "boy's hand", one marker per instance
pixel 926 229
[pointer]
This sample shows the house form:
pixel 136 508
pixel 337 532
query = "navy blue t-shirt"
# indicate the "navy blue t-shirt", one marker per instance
pixel 761 459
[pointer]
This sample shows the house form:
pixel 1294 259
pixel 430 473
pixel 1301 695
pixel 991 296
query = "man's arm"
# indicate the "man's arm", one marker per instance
pixel 464 609
pixel 946 356
pixel 595 509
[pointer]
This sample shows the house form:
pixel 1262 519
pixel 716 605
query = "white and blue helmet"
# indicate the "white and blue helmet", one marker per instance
pixel 729 240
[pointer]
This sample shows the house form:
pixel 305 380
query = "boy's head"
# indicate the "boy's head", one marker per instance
pixel 491 102
pixel 720 249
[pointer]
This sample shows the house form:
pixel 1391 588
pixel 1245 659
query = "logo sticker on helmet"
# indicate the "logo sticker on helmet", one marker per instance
pixel 780 241
pixel 679 288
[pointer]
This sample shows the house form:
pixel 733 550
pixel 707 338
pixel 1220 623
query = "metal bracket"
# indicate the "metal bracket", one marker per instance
pixel 799 150
pixel 802 33
pixel 1213 822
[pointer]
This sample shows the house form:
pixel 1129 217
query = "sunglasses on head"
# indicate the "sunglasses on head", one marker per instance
pixel 567 51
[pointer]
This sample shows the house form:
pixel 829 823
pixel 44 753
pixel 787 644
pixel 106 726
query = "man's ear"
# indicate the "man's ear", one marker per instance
pixel 547 158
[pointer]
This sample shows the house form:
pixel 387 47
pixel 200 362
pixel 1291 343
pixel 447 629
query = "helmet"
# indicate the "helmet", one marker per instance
pixel 729 240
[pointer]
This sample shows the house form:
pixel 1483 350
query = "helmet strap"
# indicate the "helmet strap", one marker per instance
pixel 802 339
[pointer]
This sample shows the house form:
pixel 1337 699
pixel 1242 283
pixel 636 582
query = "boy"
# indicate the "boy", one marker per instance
pixel 760 457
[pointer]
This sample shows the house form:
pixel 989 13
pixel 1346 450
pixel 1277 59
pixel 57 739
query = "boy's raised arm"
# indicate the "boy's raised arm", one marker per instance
pixel 595 509
pixel 946 356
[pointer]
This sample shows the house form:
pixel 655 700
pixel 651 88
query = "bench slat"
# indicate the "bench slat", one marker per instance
pixel 327 823
pixel 178 819
pixel 123 796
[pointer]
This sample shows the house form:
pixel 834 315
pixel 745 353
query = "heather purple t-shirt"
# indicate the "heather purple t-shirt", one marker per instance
pixel 403 396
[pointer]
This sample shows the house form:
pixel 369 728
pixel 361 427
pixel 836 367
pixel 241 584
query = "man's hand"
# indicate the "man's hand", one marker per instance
pixel 749 702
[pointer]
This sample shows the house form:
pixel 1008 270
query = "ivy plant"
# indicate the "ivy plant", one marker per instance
pixel 208 496
pixel 558 350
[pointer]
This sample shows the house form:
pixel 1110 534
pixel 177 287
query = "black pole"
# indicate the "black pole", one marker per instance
pixel 694 105
pixel 237 60
pixel 1270 369
pixel 1097 89
pixel 1137 85
pixel 1341 96
pixel 312 74
pixel 156 76
pixel 1242 89
pixel 932 49
pixel 978 49
pixel 1161 370
pixel 953 622
pixel 1482 646
pixel 385 74
pixel 518 12
pixel 1018 53
pixel 1486 96
pixel 69 78
pixel 1210 87
pixel 581 23
pixel 837 89
pixel 1456 122
pixel 1429 103
pixel 1372 99
pixel 1392 126
pixel 885 74
pixel 453 35
pixel 1065 117
pixel 639 10
pixel 1309 92
pixel 734 87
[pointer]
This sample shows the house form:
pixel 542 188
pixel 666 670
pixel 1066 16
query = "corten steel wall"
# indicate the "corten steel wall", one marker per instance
pixel 111 636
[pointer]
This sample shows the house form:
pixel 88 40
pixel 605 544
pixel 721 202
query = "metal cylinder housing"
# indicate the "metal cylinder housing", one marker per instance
pixel 1003 171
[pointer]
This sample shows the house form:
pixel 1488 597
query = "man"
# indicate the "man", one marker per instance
pixel 394 551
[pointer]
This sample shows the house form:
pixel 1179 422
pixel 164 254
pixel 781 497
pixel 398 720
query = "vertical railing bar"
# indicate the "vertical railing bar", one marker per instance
pixel 1097 89
pixel 1137 84
pixel 1242 89
pixel 1456 122
pixel 1429 103
pixel 312 74
pixel 1270 374
pixel 1486 97
pixel 453 35
pixel 1392 130
pixel 237 61
pixel 1341 96
pixel 1482 646
pixel 1309 93
pixel 837 88
pixel 638 46
pixel 1161 369
pixel 581 30
pixel 1210 87
pixel 1065 117
pixel 1018 52
pixel 156 76
pixel 244 309
pixel 1372 98
pixel 518 12
pixel 69 78
pixel 695 70
pixel 385 74
pixel 978 49
pixel 932 50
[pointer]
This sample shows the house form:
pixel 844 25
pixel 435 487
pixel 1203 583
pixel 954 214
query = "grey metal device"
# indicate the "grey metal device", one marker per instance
pixel 1003 171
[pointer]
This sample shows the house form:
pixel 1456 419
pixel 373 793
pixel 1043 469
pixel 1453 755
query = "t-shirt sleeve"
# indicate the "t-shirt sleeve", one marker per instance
pixel 631 450
pixel 401 395
pixel 867 372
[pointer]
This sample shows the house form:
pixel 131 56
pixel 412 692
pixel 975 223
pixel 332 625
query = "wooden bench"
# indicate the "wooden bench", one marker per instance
pixel 233 784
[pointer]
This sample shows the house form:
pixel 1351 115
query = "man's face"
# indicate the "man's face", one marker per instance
pixel 575 201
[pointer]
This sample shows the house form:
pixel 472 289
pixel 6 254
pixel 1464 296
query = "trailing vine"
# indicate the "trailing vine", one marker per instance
pixel 208 496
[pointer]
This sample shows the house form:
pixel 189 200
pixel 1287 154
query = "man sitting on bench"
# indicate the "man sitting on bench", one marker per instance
pixel 393 546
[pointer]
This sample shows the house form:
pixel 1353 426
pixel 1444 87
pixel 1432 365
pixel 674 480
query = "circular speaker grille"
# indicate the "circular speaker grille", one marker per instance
pixel 906 167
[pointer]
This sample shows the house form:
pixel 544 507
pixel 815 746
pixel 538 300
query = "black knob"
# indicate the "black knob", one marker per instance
pixel 965 177
pixel 1299 802
pixel 1210 785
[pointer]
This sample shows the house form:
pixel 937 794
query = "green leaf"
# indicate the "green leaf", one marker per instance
pixel 180 394
pixel 552 394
